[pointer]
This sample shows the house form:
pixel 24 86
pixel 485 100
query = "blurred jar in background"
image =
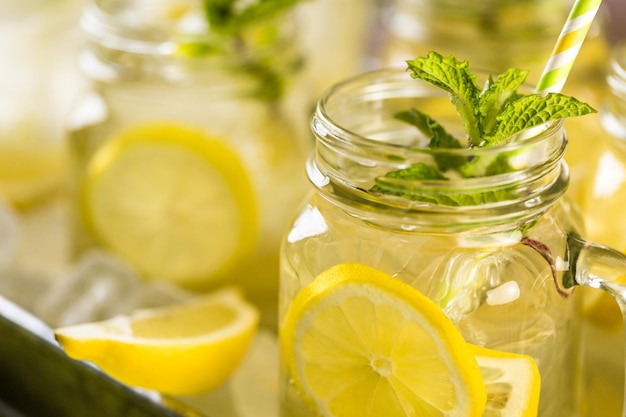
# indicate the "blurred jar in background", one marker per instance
pixel 336 36
pixel 602 197
pixel 187 157
pixel 500 34
pixel 38 82
pixel 616 13
pixel 603 193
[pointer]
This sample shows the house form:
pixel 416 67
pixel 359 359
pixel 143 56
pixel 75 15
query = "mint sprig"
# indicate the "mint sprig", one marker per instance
pixel 227 16
pixel 227 22
pixel 491 116
pixel 439 138
pixel 498 95
pixel 496 113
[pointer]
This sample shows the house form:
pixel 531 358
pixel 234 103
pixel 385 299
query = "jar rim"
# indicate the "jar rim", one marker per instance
pixel 367 173
pixel 407 87
pixel 107 22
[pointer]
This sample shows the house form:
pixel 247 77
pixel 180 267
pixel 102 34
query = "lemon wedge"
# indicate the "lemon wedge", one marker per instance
pixel 358 342
pixel 512 382
pixel 183 349
pixel 172 202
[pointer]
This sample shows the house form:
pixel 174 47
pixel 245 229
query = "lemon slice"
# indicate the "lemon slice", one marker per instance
pixel 512 382
pixel 172 202
pixel 183 349
pixel 358 342
pixel 601 308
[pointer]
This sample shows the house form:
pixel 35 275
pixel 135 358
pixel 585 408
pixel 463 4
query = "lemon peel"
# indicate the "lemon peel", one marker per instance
pixel 183 349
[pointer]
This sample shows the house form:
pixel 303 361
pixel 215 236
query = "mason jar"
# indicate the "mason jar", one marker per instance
pixel 463 242
pixel 498 35
pixel 38 40
pixel 186 154
pixel 345 28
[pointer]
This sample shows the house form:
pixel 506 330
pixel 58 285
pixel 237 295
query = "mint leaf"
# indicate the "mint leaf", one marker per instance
pixel 418 119
pixel 479 167
pixel 439 137
pixel 219 13
pixel 532 111
pixel 198 48
pixel 454 77
pixel 491 116
pixel 388 185
pixel 228 15
pixel 498 95
pixel 262 9
pixel 227 22
pixel 418 171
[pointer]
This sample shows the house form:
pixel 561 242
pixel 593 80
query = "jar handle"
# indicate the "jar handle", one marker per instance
pixel 597 266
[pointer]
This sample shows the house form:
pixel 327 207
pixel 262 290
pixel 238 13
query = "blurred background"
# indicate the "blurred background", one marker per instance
pixel 616 11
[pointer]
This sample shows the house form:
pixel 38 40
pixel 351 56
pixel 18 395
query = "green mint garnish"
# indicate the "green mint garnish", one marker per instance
pixel 455 78
pixel 439 138
pixel 228 16
pixel 491 116
pixel 227 20
pixel 498 112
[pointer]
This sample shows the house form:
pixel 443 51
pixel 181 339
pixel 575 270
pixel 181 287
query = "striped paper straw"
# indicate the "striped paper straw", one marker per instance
pixel 567 46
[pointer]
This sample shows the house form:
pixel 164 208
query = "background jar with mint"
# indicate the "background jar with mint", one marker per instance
pixel 186 155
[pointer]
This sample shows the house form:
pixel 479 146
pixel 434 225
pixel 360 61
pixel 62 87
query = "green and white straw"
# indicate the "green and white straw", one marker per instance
pixel 566 49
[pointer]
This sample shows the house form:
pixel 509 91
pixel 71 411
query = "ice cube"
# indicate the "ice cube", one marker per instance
pixel 97 287
pixel 158 294
pixel 22 288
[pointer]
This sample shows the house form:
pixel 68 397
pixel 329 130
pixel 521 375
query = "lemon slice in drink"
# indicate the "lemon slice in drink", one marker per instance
pixel 186 348
pixel 512 382
pixel 358 342
pixel 172 202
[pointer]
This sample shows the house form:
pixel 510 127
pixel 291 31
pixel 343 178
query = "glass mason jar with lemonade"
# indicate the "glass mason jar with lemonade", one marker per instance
pixel 187 152
pixel 428 274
